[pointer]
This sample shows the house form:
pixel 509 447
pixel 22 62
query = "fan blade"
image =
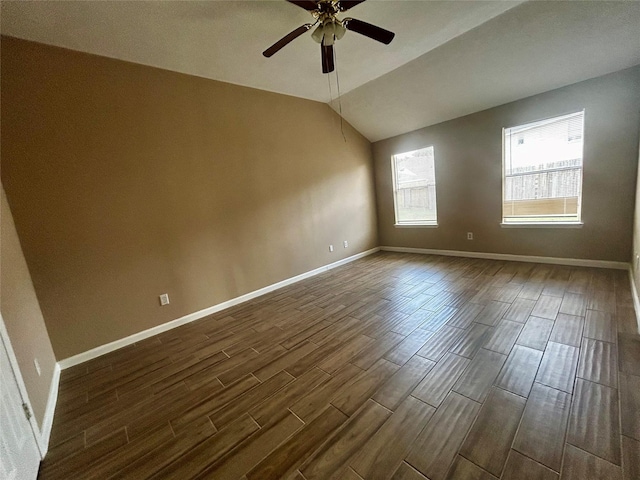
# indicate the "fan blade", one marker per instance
pixel 327 58
pixel 286 39
pixel 306 4
pixel 347 4
pixel 368 30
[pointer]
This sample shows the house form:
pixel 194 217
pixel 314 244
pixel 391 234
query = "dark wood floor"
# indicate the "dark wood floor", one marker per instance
pixel 395 366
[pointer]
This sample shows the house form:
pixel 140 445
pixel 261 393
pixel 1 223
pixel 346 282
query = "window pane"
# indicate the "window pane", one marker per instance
pixel 415 187
pixel 543 170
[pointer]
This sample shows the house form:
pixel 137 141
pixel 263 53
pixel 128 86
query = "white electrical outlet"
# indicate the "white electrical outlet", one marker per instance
pixel 469 235
pixel 331 248
pixel 164 299
pixel 345 243
pixel 37 364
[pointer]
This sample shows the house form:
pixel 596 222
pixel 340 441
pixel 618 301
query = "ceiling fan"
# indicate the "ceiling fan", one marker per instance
pixel 330 28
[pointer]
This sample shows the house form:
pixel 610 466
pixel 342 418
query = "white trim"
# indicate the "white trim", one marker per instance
pixel 13 361
pixel 542 225
pixel 575 262
pixel 47 421
pixel 636 300
pixel 136 337
pixel 416 225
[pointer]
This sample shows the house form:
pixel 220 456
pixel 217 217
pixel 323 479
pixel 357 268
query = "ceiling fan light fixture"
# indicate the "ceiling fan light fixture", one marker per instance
pixel 328 32
pixel 318 34
pixel 330 28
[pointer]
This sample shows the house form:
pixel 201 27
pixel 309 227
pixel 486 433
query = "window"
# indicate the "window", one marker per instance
pixel 542 171
pixel 414 187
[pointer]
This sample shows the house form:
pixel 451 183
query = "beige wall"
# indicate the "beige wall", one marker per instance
pixel 468 153
pixel 127 181
pixel 22 316
pixel 635 257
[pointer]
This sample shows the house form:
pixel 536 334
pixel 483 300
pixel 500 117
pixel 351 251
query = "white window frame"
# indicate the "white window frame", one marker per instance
pixel 420 223
pixel 542 224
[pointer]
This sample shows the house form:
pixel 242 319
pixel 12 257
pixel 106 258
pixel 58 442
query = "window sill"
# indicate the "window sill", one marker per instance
pixel 543 225
pixel 416 225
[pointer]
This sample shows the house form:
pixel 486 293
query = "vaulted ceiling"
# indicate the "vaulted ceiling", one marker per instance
pixel 449 58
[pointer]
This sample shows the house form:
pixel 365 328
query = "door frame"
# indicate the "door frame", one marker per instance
pixel 13 361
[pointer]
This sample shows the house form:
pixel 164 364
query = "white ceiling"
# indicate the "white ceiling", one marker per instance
pixel 449 58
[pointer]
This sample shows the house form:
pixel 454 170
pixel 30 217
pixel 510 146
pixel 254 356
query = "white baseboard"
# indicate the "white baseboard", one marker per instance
pixel 136 337
pixel 574 262
pixel 636 300
pixel 47 421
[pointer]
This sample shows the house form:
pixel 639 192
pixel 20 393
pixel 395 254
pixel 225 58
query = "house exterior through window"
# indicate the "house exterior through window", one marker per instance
pixel 542 171
pixel 414 187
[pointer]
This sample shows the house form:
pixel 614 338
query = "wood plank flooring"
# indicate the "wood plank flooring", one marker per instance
pixel 396 366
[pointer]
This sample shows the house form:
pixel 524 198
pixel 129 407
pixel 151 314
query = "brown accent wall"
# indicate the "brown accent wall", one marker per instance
pixel 468 156
pixel 128 181
pixel 22 316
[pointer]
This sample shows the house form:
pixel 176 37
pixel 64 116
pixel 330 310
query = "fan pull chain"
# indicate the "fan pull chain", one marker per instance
pixel 330 92
pixel 335 61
